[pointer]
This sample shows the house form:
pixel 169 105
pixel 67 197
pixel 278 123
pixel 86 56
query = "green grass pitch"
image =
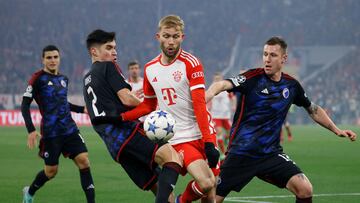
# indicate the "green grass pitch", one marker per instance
pixel 331 163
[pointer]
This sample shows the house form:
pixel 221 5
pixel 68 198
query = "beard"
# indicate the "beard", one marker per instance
pixel 170 54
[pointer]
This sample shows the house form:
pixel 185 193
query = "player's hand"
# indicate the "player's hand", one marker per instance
pixel 212 154
pixel 106 120
pixel 139 93
pixel 347 133
pixel 32 139
pixel 85 110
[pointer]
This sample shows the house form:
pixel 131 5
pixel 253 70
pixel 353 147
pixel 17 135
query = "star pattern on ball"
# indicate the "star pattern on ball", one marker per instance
pixel 152 127
pixel 169 129
pixel 161 113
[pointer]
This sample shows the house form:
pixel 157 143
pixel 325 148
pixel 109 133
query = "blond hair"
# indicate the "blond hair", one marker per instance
pixel 172 21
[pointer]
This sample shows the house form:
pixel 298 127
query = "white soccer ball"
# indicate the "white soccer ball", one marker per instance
pixel 159 126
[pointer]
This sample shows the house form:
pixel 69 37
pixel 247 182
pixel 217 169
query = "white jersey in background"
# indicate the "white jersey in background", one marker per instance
pixel 221 106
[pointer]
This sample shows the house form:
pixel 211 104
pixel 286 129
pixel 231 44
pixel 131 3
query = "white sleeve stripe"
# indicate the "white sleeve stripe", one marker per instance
pixel 188 59
pixel 193 57
pixel 196 60
pixel 150 97
pixel 197 87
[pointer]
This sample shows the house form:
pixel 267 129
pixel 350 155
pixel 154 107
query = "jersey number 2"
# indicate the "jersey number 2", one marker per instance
pixel 94 100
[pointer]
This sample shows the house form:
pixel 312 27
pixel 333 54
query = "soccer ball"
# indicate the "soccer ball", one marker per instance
pixel 159 126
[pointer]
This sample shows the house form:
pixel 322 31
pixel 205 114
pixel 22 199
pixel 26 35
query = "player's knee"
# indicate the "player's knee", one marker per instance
pixel 305 191
pixel 207 184
pixel 51 171
pixel 82 161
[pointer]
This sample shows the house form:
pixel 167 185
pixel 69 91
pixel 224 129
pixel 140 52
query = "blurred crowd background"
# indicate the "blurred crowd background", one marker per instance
pixel 218 32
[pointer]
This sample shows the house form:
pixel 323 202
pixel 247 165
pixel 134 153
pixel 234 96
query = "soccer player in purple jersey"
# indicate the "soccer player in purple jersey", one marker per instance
pixel 59 133
pixel 254 149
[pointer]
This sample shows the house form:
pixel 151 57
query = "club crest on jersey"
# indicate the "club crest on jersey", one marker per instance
pixel 46 154
pixel 28 92
pixel 177 76
pixel 238 80
pixel 285 93
pixel 63 83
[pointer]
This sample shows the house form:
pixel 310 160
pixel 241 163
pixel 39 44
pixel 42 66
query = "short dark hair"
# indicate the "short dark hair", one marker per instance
pixel 277 40
pixel 99 37
pixel 49 48
pixel 134 62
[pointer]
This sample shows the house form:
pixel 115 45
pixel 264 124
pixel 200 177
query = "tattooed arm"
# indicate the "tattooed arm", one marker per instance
pixel 319 115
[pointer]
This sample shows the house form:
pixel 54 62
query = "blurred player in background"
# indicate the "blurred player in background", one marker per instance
pixel 221 108
pixel 175 81
pixel 59 133
pixel 254 148
pixel 106 93
pixel 286 125
pixel 288 131
pixel 135 80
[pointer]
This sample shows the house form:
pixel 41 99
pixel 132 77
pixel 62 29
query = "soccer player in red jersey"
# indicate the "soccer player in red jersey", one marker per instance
pixel 175 81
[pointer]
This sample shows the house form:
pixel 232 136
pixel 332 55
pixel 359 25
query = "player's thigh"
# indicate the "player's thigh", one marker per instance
pixel 50 150
pixel 166 153
pixel 74 145
pixel 189 152
pixel 227 124
pixel 236 172
pixel 278 170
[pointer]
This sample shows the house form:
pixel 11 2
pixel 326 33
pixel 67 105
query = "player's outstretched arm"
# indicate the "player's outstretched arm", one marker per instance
pixel 128 98
pixel 319 115
pixel 145 107
pixel 216 88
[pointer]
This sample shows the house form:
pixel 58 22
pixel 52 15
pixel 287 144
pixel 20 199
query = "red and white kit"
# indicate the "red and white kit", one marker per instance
pixel 179 89
pixel 221 110
pixel 135 86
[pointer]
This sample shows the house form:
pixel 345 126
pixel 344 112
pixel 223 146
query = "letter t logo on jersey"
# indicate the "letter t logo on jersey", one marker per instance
pixel 169 94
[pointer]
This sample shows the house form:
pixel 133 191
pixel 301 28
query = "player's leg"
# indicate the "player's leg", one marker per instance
pixel 281 134
pixel 154 190
pixel 203 183
pixel 196 166
pixel 171 163
pixel 75 148
pixel 211 195
pixel 281 171
pixel 220 135
pixel 144 156
pixel 288 130
pixel 300 185
pixel 49 150
pixel 236 172
pixel 227 127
